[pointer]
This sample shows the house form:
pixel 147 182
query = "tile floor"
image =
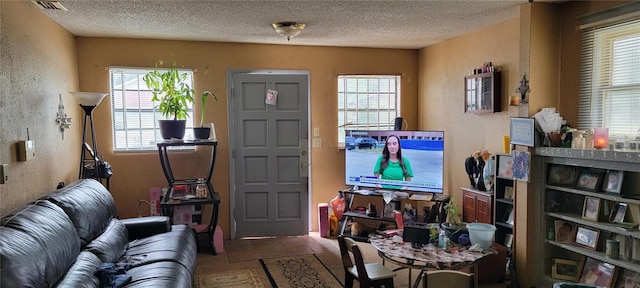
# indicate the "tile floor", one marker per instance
pixel 246 253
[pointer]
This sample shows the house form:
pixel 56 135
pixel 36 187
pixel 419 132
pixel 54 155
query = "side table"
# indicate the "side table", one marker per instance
pixel 213 198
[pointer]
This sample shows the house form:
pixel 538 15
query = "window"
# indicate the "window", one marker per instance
pixel 135 117
pixel 369 102
pixel 609 93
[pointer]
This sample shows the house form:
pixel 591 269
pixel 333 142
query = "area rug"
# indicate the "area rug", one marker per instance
pixel 247 278
pixel 299 271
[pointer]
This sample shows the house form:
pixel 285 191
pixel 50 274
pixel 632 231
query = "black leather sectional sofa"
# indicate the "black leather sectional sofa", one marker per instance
pixel 61 239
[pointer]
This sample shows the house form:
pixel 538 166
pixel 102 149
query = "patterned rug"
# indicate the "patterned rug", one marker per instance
pixel 238 278
pixel 299 271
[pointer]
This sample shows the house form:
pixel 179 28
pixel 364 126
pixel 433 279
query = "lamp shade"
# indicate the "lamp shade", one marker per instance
pixel 88 98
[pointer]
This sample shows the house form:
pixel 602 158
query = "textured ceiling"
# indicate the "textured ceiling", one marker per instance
pixel 379 24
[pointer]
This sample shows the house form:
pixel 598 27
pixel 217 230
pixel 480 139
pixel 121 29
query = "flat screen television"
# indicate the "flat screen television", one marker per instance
pixel 422 153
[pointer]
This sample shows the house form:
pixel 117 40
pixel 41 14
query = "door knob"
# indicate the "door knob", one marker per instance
pixel 304 165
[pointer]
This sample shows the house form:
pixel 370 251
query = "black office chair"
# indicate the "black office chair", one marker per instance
pixel 368 274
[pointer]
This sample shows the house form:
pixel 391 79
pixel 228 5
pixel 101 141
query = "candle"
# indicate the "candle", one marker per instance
pixel 600 138
pixel 506 144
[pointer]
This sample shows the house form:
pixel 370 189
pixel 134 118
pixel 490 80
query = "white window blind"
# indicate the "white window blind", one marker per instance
pixel 367 102
pixel 609 93
pixel 134 115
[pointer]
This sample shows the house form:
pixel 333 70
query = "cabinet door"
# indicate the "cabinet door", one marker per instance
pixel 483 209
pixel 469 207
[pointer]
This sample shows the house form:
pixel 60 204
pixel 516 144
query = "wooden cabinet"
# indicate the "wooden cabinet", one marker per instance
pixel 477 206
pixel 562 196
pixel 483 93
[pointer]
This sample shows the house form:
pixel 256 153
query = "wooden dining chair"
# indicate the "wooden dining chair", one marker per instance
pixel 368 274
pixel 448 279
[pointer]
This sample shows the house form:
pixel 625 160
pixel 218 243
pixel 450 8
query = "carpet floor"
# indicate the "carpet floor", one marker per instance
pixel 299 271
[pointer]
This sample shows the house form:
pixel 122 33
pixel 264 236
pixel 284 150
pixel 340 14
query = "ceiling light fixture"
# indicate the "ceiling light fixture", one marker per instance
pixel 288 29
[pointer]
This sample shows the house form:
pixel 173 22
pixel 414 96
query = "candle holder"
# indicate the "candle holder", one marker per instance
pixel 600 138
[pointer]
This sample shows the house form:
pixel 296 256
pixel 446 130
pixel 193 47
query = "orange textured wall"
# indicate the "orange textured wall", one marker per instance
pixel 441 91
pixel 136 172
pixel 37 64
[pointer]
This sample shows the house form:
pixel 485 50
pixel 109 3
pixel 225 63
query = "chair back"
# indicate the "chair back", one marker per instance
pixel 352 246
pixel 449 279
pixel 344 252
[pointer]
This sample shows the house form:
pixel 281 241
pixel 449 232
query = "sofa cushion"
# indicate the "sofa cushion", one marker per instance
pixel 80 274
pixel 89 206
pixel 160 274
pixel 177 245
pixel 111 244
pixel 38 244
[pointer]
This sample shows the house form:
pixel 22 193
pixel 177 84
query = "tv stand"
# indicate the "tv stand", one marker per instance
pixel 437 213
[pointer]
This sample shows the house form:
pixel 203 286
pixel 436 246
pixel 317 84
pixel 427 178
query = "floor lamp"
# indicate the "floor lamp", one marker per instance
pixel 88 101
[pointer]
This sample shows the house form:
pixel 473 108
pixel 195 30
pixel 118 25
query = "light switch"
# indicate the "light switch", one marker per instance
pixel 316 132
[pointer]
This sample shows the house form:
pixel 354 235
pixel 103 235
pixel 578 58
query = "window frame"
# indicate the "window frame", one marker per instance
pixel 598 73
pixel 141 88
pixel 344 108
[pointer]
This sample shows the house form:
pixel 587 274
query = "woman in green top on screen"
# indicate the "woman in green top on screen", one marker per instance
pixel 391 165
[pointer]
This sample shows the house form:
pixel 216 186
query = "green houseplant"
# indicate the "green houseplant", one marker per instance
pixel 203 132
pixel 455 227
pixel 171 89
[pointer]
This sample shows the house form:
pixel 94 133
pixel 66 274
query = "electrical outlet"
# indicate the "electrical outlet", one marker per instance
pixel 4 173
pixel 152 208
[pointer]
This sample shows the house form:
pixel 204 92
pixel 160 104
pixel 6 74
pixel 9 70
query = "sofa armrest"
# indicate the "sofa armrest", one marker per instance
pixel 142 227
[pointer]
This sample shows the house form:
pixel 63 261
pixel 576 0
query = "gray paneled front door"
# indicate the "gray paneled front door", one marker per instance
pixel 270 155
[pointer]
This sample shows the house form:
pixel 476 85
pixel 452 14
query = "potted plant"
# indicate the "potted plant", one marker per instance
pixel 171 90
pixel 455 227
pixel 203 132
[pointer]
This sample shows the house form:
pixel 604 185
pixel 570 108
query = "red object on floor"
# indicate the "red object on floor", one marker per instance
pixel 323 219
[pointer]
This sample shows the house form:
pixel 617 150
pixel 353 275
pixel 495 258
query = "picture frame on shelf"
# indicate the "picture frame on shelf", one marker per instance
pixel 573 203
pixel 521 165
pixel 613 184
pixel 505 166
pixel 587 237
pixel 565 231
pixel 564 269
pixel 598 273
pixel 589 179
pixel 591 208
pixel 508 192
pixel 562 175
pixel 510 217
pixel 618 212
pixel 553 200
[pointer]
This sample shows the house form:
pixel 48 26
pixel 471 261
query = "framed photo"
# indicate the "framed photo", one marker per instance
pixel 522 131
pixel 591 208
pixel 589 179
pixel 521 165
pixel 565 269
pixel 565 231
pixel 553 201
pixel 505 166
pixel 508 192
pixel 573 203
pixel 587 237
pixel 617 213
pixel 613 183
pixel 562 175
pixel 508 240
pixel 598 273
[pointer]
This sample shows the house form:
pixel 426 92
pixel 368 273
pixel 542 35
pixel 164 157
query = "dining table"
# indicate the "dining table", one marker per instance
pixel 427 257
